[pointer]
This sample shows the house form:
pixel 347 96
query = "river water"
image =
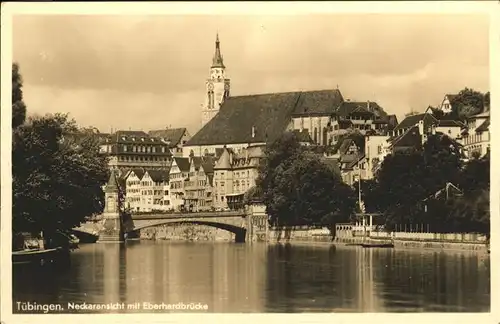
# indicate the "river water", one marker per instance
pixel 230 277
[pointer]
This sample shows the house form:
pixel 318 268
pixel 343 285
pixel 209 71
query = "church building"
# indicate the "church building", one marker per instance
pixel 237 122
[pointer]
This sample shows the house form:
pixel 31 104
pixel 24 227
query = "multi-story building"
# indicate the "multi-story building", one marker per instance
pixel 133 189
pixel 178 175
pixel 176 138
pixel 198 187
pixel 476 137
pixel 159 180
pixel 234 174
pixel 135 149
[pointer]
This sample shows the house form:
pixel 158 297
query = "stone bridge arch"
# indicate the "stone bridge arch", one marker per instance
pixel 232 226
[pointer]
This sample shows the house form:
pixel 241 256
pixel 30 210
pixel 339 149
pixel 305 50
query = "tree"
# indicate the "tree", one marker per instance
pixel 299 189
pixel 18 106
pixel 468 102
pixel 58 175
pixel 405 180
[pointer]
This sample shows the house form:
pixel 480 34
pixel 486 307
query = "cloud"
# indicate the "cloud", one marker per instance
pixel 147 71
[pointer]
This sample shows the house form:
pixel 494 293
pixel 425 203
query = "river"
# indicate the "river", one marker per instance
pixel 230 277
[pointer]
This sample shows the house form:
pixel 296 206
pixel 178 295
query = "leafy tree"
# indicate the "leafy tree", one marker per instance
pixel 405 180
pixel 57 175
pixel 18 106
pixel 299 189
pixel 468 102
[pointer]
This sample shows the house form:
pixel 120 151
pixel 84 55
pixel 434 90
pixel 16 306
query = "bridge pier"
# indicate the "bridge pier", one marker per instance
pixel 257 223
pixel 112 230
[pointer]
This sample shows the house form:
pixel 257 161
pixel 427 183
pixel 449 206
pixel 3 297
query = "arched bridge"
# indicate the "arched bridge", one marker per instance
pixel 232 221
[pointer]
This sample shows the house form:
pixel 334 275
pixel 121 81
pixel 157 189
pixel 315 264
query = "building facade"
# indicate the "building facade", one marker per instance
pixel 234 174
pixel 178 175
pixel 135 149
pixel 175 138
pixel 199 186
pixel 476 137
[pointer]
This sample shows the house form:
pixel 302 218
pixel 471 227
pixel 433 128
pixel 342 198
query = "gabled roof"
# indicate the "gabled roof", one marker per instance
pixel 172 135
pixel 208 164
pixel 196 160
pixel 484 127
pixel 349 107
pixel 410 138
pixel 158 175
pixel 264 116
pixel 413 120
pixel 139 172
pixel 182 163
pixel 224 161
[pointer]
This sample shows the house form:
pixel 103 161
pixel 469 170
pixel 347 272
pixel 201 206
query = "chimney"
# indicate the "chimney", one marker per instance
pixel 253 131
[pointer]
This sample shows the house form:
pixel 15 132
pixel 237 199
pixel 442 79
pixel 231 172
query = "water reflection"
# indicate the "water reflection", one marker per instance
pixel 266 278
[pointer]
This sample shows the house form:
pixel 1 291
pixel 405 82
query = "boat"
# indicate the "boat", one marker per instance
pixel 38 257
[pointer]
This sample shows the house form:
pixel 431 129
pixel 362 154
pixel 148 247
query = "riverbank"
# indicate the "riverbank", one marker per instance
pixel 304 235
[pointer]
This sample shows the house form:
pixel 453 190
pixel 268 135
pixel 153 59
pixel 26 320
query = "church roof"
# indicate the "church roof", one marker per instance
pixel 172 135
pixel 318 102
pixel 267 114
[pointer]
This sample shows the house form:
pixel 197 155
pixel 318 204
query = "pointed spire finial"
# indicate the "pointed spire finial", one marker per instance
pixel 217 61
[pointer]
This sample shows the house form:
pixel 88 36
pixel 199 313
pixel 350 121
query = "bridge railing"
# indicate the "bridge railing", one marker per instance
pixel 159 215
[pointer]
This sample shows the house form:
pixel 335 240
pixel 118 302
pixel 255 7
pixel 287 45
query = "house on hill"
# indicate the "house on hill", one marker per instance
pixel 257 119
pixel 476 136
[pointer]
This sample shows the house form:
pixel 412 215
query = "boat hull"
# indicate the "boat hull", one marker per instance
pixel 40 258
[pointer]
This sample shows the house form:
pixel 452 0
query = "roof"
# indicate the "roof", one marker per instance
pixel 139 172
pixel 349 107
pixel 264 116
pixel 217 61
pixel 158 175
pixel 318 102
pixel 208 164
pixel 224 161
pixel 413 120
pixel 182 163
pixel 484 127
pixel 450 123
pixel 172 135
pixel 481 115
pixel 196 160
pixel 410 138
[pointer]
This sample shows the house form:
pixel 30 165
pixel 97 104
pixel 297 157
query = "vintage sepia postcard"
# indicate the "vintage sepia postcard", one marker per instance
pixel 297 161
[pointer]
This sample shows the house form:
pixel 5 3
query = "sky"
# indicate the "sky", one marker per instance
pixel 148 72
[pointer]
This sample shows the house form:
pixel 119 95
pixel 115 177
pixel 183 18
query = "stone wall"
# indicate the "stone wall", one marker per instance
pixel 300 234
pixel 186 232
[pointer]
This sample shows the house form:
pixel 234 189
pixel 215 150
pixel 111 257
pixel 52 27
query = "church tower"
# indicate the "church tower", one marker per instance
pixel 217 86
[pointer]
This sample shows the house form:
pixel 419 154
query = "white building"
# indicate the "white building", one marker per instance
pixel 178 175
pixel 476 138
pixel 133 189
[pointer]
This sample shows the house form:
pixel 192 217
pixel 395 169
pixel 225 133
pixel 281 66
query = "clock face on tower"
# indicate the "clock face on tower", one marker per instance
pixel 226 86
pixel 210 86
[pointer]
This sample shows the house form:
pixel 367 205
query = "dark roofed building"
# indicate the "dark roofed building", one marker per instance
pixel 412 120
pixel 258 119
pixel 132 149
pixel 248 119
pixel 176 138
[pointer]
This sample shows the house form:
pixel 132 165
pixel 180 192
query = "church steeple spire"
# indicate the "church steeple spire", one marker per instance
pixel 217 61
